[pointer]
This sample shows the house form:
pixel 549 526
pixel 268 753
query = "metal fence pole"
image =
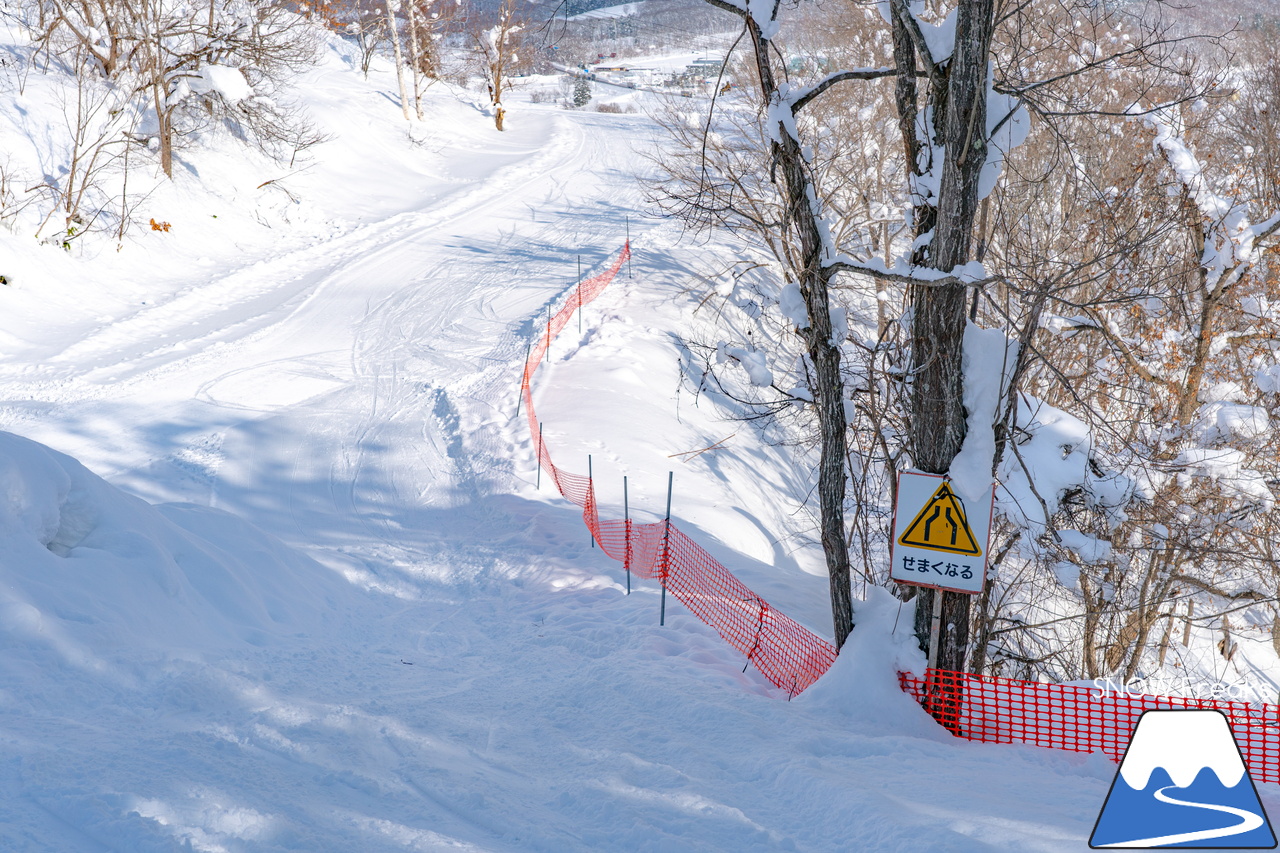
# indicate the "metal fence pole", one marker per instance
pixel 626 515
pixel 666 553
pixel 524 378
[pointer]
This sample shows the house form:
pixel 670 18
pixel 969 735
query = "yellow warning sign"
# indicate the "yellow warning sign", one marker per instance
pixel 941 526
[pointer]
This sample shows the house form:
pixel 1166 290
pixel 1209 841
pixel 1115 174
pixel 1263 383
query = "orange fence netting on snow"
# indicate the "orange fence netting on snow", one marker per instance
pixel 976 707
pixel 788 654
pixel 1079 719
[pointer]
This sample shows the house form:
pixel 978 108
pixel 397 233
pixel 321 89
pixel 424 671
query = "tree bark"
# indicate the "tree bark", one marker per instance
pixel 415 58
pixel 824 353
pixel 395 44
pixel 939 316
pixel 160 91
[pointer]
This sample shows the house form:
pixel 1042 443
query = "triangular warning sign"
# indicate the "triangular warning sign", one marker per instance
pixel 942 526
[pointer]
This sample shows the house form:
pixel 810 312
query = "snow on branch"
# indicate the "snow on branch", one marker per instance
pixel 730 6
pixel 1008 126
pixel 972 274
pixel 934 42
pixel 1230 241
pixel 763 12
pixel 1264 229
pixel 1188 168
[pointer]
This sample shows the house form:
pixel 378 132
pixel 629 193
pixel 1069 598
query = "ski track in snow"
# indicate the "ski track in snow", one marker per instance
pixel 408 328
pixel 482 684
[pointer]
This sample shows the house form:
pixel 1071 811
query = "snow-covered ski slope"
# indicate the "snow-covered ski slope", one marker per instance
pixel 318 603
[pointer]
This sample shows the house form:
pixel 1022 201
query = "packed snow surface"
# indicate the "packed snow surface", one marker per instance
pixel 301 593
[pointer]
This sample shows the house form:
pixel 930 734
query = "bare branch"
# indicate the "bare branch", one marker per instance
pixel 808 94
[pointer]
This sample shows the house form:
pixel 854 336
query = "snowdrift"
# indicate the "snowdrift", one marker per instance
pixel 86 569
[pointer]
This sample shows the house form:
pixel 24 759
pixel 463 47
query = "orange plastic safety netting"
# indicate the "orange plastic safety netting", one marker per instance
pixel 788 654
pixel 1080 719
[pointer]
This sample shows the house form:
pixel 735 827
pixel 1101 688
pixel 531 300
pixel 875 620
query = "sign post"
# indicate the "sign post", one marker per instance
pixel 940 541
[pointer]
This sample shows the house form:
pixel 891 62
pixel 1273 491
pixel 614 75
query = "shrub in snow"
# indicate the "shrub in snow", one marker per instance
pixel 139 78
pixel 86 570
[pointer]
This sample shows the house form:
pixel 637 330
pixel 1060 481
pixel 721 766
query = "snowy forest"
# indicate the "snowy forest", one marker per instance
pixel 1106 265
pixel 269 270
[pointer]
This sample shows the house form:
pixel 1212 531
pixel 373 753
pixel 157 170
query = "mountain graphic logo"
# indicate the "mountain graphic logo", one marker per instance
pixel 1183 783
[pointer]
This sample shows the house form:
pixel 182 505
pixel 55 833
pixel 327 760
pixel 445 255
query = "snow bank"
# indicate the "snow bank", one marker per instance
pixel 86 568
pixel 1056 447
pixel 1268 379
pixel 225 80
pixel 1227 466
pixel 754 362
pixel 863 682
pixel 1222 421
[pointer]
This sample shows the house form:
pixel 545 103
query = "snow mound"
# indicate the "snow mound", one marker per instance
pixel 86 569
pixel 862 685
pixel 1224 421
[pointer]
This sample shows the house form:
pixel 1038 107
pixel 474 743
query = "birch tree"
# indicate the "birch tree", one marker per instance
pixel 394 34
pixel 496 51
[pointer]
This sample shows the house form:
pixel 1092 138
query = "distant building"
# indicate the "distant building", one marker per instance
pixel 801 64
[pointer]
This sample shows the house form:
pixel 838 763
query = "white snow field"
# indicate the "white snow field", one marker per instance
pixel 303 595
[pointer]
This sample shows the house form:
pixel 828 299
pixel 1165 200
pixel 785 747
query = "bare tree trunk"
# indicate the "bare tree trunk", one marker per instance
pixel 415 58
pixel 1153 592
pixel 164 130
pixel 159 88
pixel 1092 624
pixel 824 353
pixel 209 33
pixel 1225 645
pixel 1164 639
pixel 939 318
pixel 395 44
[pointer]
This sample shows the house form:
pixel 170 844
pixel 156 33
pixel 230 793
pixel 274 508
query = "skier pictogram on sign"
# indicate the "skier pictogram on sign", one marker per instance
pixel 941 526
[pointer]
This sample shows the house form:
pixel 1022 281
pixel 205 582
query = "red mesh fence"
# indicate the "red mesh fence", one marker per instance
pixel 976 707
pixel 788 654
pixel 1080 719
